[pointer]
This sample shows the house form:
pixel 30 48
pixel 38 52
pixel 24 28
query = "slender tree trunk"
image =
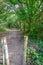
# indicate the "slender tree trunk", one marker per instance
pixel 5 48
pixel 3 57
pixel 25 49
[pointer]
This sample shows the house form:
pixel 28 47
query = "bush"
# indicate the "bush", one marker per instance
pixel 2 29
pixel 33 57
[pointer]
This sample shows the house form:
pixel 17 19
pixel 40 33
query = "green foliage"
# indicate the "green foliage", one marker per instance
pixel 33 57
pixel 29 15
pixel 38 45
pixel 2 29
pixel 13 1
pixel 40 51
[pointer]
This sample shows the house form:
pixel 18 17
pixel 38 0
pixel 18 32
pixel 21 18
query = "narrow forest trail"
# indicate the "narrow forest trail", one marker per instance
pixel 15 47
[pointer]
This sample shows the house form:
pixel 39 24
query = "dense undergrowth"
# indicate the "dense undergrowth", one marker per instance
pixel 35 53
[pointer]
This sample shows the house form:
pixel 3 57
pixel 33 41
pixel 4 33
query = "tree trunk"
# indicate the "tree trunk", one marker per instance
pixel 5 49
pixel 25 49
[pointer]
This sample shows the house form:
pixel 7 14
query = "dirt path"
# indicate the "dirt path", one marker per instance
pixel 15 47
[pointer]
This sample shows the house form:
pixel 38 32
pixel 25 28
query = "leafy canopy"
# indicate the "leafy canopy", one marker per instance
pixel 28 15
